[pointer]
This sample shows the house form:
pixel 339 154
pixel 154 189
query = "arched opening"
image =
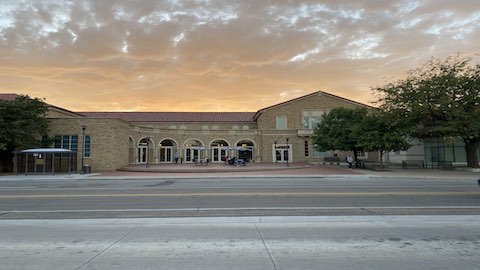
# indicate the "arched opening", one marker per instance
pixel 194 150
pixel 219 150
pixel 245 150
pixel 145 151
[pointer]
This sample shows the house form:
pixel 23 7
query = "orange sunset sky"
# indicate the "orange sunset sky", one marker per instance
pixel 203 55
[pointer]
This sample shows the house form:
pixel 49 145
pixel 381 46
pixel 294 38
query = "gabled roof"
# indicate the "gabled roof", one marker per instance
pixel 11 97
pixel 175 116
pixel 258 113
pixel 187 116
pixel 64 111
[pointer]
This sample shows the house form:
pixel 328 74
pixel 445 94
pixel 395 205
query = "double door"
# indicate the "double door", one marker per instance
pixel 192 154
pixel 166 154
pixel 142 155
pixel 218 153
pixel 282 153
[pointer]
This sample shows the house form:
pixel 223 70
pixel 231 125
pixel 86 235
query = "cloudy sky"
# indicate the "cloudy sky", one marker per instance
pixel 230 55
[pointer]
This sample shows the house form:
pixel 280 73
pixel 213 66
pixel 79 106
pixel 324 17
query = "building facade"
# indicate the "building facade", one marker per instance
pixel 279 133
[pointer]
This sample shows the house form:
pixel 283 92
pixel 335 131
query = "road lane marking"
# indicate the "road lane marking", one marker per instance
pixel 242 208
pixel 241 194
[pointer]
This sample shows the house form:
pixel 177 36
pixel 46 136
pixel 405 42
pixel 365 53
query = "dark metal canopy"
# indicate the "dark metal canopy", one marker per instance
pixel 42 156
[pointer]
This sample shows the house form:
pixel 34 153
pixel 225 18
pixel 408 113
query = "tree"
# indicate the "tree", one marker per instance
pixel 335 130
pixel 358 129
pixel 378 132
pixel 23 124
pixel 439 99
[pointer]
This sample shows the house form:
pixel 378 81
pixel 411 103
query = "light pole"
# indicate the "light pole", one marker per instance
pixel 148 152
pixel 84 127
pixel 288 152
pixel 275 151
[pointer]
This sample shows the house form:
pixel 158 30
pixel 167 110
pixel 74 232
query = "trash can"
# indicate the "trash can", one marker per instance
pixel 87 169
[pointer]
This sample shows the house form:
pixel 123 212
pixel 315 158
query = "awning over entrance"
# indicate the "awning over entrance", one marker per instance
pixel 46 159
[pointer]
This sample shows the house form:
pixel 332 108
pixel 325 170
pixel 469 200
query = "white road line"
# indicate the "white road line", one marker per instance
pixel 241 208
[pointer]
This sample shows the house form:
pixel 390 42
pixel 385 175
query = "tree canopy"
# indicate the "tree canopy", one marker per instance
pixel 335 130
pixel 355 129
pixel 22 124
pixel 378 132
pixel 439 99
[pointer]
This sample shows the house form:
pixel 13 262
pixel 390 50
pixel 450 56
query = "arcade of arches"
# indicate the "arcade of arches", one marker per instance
pixel 147 151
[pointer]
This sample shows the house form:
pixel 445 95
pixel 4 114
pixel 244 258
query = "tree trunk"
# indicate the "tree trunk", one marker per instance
pixel 471 147
pixel 354 156
pixel 6 161
pixel 381 152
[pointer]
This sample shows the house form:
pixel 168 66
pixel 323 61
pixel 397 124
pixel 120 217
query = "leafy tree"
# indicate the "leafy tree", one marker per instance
pixel 439 99
pixel 22 124
pixel 378 132
pixel 358 129
pixel 336 130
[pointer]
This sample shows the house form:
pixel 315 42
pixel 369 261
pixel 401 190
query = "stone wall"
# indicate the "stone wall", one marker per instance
pixel 114 142
pixel 295 131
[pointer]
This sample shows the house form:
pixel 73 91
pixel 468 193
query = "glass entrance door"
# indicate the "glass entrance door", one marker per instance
pixel 218 153
pixel 142 155
pixel 166 154
pixel 192 154
pixel 282 153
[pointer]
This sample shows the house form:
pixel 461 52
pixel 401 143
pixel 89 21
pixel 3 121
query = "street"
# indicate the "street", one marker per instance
pixel 267 196
pixel 330 222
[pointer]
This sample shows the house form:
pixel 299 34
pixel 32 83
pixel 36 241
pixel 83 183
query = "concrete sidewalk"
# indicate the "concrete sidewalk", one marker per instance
pixel 374 242
pixel 260 170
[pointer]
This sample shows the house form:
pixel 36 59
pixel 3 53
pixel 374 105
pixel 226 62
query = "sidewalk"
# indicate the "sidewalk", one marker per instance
pixel 256 170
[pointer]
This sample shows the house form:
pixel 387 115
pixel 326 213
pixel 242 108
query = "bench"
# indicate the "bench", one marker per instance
pixel 447 165
pixel 331 160
pixel 413 163
pixel 202 162
pixel 371 165
pixel 240 162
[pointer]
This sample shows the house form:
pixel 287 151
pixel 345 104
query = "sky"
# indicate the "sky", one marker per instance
pixel 228 55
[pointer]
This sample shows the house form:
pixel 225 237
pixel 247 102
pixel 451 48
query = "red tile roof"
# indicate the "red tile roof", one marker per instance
pixel 258 113
pixel 8 96
pixel 175 116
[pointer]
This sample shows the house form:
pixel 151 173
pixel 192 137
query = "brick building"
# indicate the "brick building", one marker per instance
pixel 279 133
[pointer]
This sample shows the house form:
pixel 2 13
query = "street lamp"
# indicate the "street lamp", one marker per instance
pixel 148 152
pixel 275 151
pixel 83 148
pixel 288 152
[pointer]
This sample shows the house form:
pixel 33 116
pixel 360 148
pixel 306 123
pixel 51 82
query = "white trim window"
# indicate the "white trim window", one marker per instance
pixel 311 119
pixel 281 122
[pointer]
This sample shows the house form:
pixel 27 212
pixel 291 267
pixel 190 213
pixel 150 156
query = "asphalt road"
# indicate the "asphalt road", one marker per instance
pixel 351 222
pixel 179 197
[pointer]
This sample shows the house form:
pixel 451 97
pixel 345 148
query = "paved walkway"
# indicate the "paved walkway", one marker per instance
pixel 373 242
pixel 259 170
pixel 281 169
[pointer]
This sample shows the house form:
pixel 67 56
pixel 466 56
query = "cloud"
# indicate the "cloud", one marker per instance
pixel 220 55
